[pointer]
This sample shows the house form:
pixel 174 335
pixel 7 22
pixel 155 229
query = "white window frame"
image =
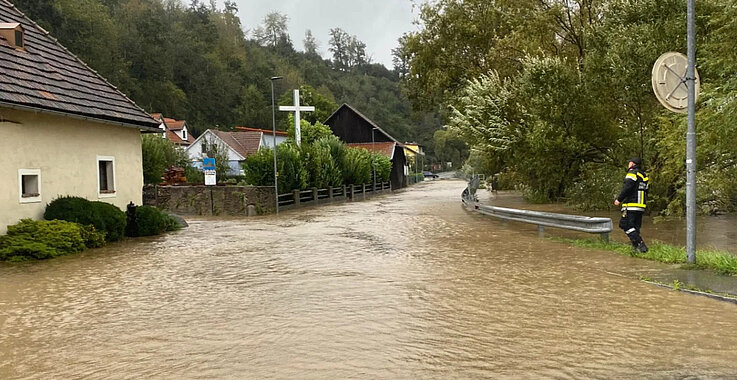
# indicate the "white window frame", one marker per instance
pixel 184 133
pixel 114 192
pixel 21 198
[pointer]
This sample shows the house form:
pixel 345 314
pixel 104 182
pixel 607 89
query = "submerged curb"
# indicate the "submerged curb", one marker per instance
pixel 717 297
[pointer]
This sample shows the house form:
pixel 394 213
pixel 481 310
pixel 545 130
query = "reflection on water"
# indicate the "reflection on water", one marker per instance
pixel 718 232
pixel 409 285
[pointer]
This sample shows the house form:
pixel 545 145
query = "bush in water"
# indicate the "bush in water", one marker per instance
pixel 44 239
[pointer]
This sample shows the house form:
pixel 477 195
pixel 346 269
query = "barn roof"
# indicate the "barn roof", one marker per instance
pixel 351 109
pixel 44 76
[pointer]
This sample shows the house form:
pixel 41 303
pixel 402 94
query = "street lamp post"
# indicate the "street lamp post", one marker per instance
pixel 273 131
pixel 373 157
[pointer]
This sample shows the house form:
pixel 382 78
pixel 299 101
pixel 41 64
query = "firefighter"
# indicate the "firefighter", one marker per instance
pixel 633 199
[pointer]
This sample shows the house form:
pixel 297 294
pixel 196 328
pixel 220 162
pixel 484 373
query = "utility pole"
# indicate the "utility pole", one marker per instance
pixel 691 136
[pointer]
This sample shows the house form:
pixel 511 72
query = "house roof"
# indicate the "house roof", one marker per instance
pixel 348 107
pixel 245 143
pixel 171 125
pixel 264 131
pixel 384 148
pixel 44 76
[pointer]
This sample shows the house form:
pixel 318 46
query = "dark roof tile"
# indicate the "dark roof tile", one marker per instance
pixel 46 76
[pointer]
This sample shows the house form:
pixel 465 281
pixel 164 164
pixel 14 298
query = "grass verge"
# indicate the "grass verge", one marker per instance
pixel 719 261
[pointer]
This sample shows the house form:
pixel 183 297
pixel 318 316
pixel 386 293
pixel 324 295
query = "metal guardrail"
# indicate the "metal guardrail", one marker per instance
pixel 593 225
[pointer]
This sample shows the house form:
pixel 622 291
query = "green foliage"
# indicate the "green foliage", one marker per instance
pixel 449 147
pixel 383 167
pixel 151 221
pixel 324 104
pixel 221 77
pixel 217 150
pixel 259 168
pixel 106 218
pixel 159 154
pixel 356 166
pixel 323 171
pixel 562 114
pixel 310 132
pixel 719 261
pixel 31 239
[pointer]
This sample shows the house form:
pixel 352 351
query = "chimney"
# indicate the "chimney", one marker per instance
pixel 13 34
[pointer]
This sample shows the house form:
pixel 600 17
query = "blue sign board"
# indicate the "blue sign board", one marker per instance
pixel 208 163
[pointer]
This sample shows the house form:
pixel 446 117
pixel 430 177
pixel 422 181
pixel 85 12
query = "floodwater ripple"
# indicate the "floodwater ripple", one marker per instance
pixel 408 285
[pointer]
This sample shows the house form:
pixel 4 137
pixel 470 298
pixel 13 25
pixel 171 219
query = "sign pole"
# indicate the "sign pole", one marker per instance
pixel 273 131
pixel 691 137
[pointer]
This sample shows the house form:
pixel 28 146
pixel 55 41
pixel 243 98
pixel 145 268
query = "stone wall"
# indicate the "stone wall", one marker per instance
pixel 210 200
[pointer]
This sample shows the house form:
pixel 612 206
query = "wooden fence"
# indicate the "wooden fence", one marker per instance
pixel 315 196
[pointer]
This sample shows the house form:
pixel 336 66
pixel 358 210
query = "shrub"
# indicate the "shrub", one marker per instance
pixel 151 221
pixel 71 209
pixel 108 218
pixel 356 166
pixel 323 171
pixel 259 168
pixel 31 239
pixel 103 216
pixel 383 167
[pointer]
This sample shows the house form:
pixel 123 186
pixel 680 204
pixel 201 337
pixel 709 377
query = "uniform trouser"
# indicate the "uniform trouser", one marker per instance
pixel 631 223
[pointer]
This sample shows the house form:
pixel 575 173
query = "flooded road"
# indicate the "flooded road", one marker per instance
pixel 408 285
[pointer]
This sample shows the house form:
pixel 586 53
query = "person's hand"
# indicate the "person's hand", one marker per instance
pixel 616 202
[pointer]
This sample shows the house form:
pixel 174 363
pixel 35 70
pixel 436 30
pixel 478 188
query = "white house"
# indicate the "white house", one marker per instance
pixel 236 145
pixel 65 129
pixel 176 131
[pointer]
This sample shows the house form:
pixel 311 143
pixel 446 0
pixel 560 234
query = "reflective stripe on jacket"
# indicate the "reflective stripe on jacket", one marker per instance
pixel 634 190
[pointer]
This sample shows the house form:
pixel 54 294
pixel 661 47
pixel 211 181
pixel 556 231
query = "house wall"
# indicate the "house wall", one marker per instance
pixel 65 150
pixel 268 140
pixel 194 152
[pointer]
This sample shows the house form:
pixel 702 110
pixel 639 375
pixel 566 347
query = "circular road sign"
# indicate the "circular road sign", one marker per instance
pixel 669 81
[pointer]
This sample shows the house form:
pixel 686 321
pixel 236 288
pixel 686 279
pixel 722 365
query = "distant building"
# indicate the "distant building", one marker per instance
pixel 237 145
pixel 267 137
pixel 175 131
pixel 65 129
pixel 357 130
pixel 415 156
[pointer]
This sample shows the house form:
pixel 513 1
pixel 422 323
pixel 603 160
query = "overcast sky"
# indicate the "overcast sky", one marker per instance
pixel 378 23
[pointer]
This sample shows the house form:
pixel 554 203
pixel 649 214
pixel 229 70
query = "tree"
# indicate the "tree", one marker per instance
pixel 401 57
pixel 273 31
pixel 311 45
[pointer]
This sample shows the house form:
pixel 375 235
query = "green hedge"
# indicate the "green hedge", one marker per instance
pixel 43 239
pixel 103 216
pixel 151 221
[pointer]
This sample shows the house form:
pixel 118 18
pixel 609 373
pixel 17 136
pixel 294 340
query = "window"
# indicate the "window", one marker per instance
pixel 184 134
pixel 105 176
pixel 30 185
pixel 19 38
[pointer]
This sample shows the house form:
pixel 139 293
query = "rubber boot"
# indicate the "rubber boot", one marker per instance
pixel 642 247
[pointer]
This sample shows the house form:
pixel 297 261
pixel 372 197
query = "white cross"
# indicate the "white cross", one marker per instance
pixel 297 109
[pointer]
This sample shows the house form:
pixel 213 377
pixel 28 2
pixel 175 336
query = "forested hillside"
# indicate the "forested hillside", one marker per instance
pixel 556 95
pixel 197 62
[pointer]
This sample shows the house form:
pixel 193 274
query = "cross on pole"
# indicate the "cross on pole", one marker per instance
pixel 297 108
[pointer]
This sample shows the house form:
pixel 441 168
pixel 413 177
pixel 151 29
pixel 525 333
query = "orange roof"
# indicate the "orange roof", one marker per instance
pixel 385 148
pixel 264 131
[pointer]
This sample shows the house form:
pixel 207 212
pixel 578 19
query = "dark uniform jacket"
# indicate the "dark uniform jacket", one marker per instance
pixel 634 190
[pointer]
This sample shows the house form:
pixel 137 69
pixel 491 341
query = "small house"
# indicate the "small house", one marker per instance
pixel 65 129
pixel 235 145
pixel 174 130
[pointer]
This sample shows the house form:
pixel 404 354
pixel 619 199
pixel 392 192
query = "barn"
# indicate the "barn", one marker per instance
pixel 357 130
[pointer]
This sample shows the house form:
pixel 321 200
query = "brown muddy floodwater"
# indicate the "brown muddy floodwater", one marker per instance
pixel 408 285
